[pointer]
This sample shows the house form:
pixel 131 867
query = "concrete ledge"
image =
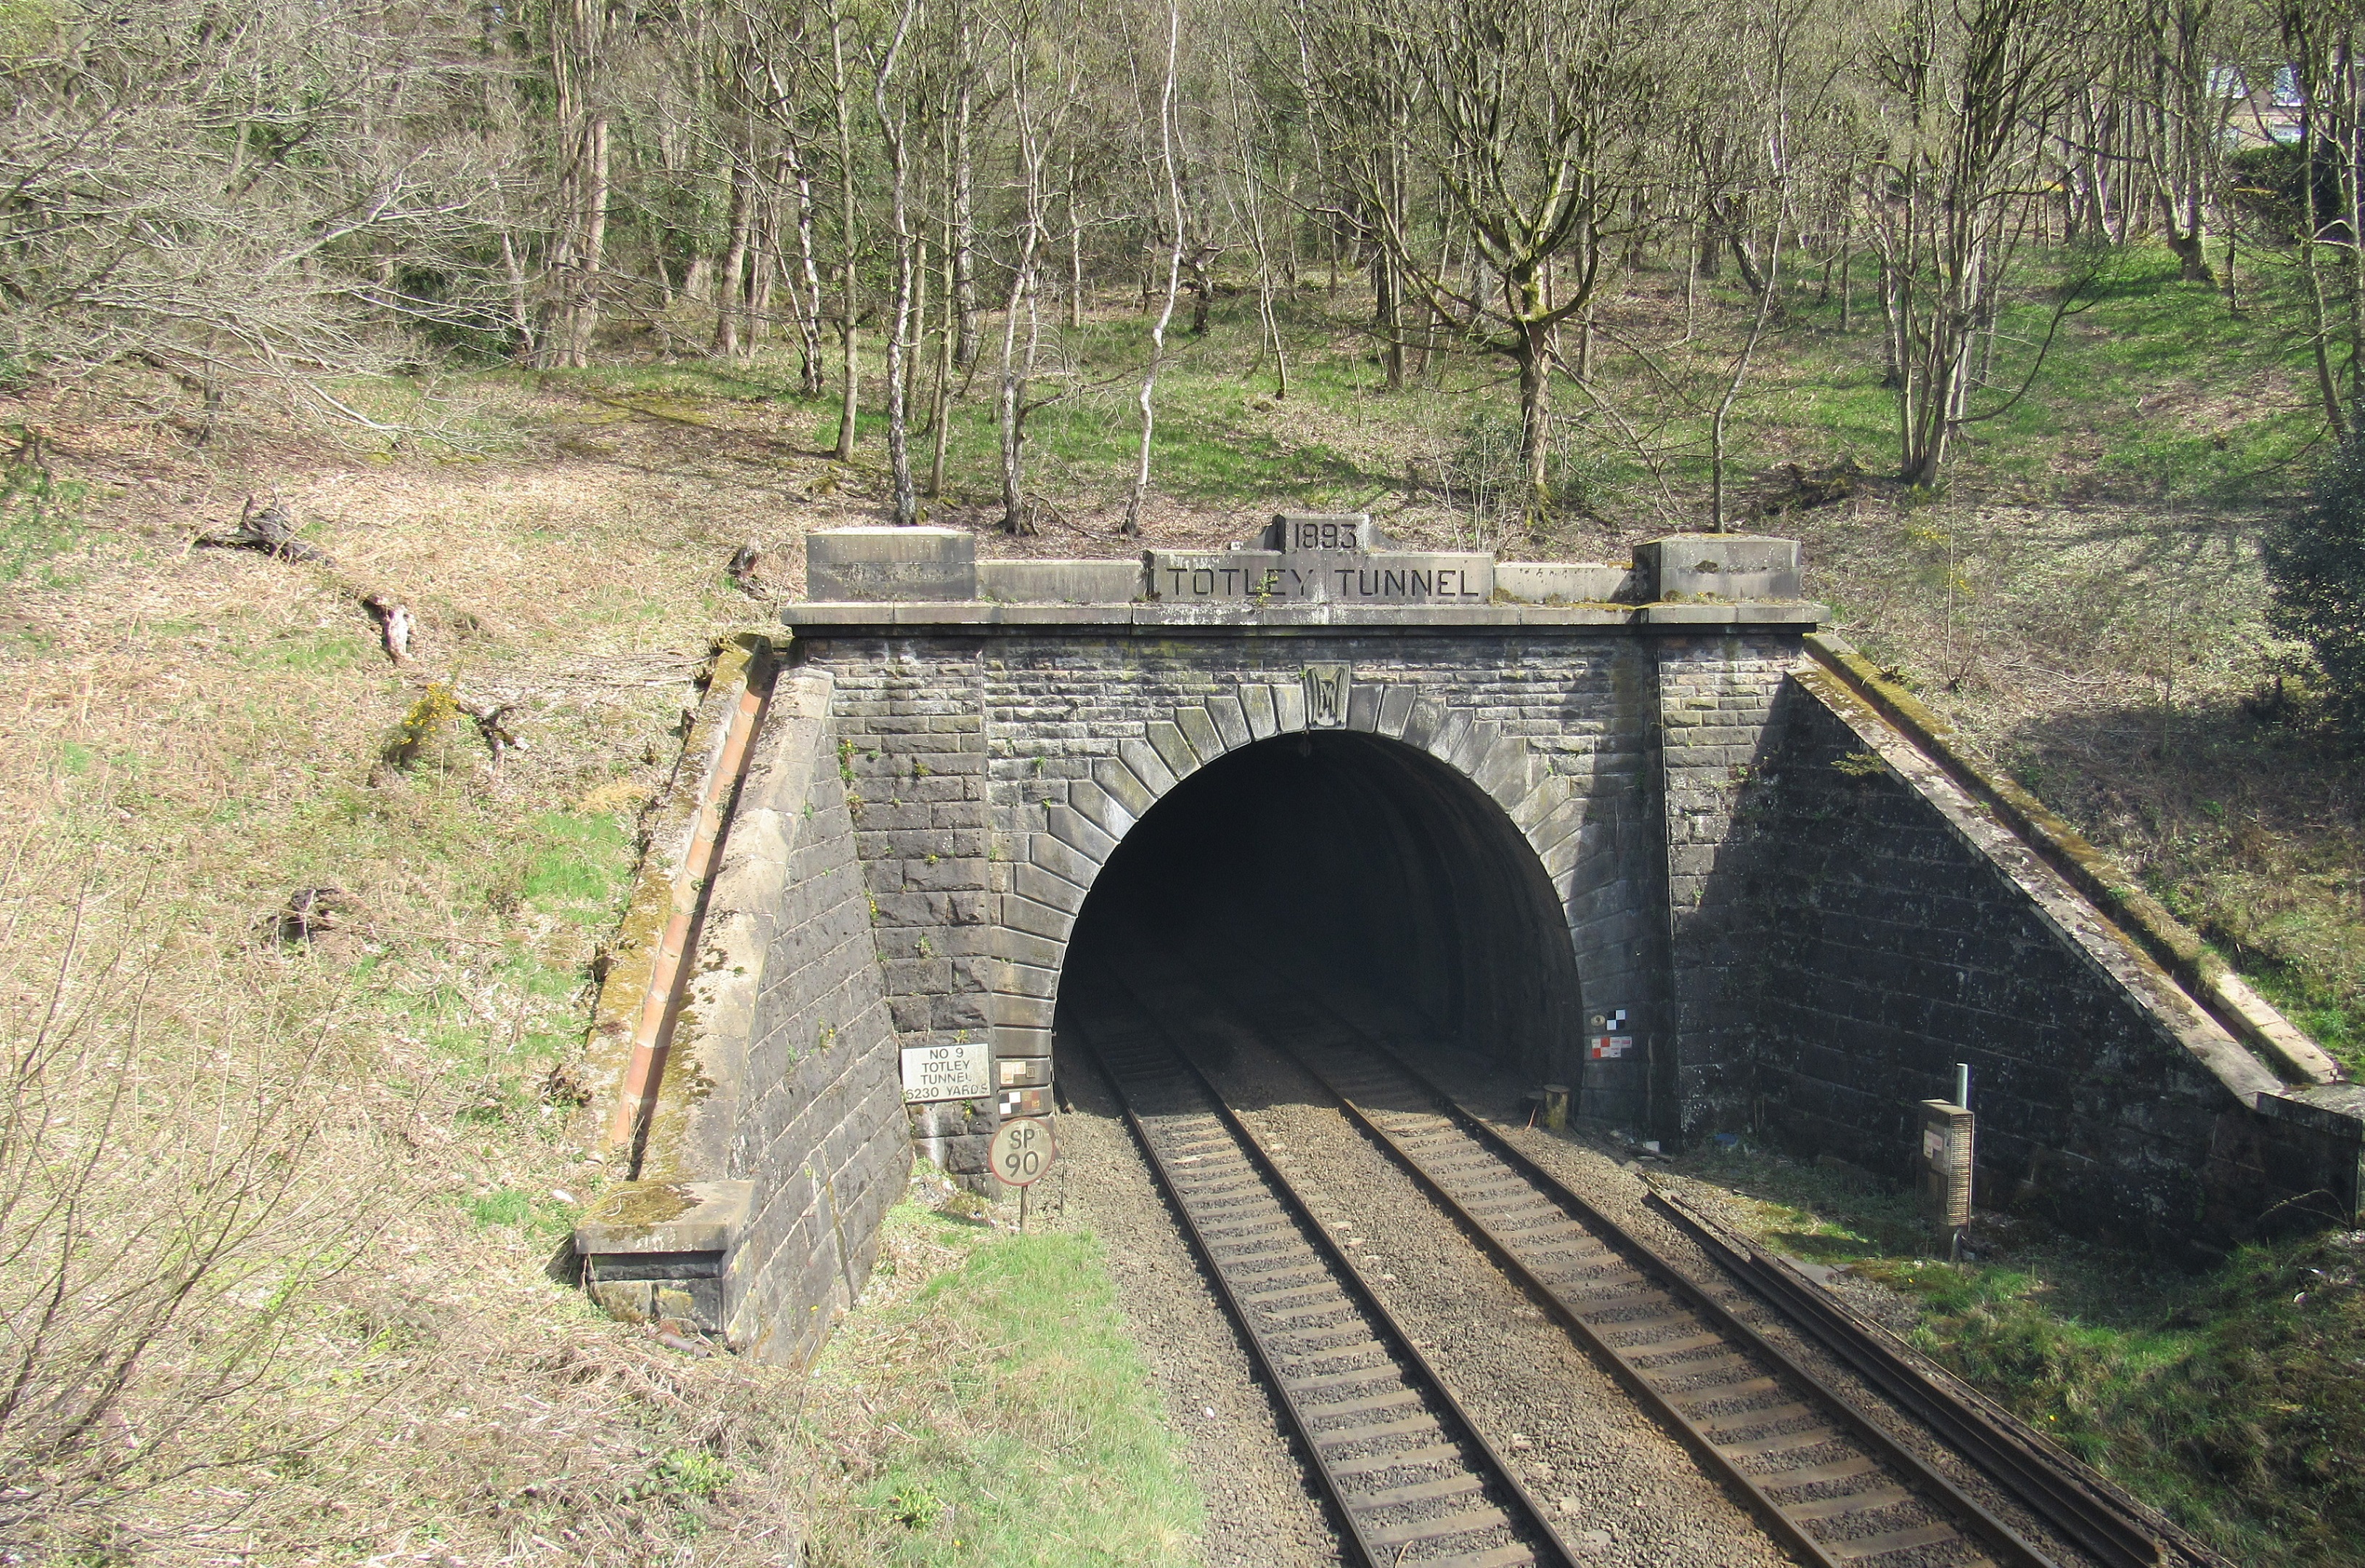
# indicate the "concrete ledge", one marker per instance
pixel 2167 940
pixel 639 965
pixel 663 1251
pixel 1726 567
pixel 2336 1110
pixel 1747 612
pixel 1559 582
pixel 891 564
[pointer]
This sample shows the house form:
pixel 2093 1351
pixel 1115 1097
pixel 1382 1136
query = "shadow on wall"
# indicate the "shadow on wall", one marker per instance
pixel 1346 858
pixel 1892 948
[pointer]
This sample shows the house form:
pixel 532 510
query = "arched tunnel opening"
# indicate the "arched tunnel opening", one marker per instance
pixel 1343 863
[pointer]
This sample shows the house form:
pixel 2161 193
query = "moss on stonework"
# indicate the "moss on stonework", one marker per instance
pixel 644 1203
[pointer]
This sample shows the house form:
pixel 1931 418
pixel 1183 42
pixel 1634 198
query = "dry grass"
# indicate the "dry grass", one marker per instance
pixel 280 1215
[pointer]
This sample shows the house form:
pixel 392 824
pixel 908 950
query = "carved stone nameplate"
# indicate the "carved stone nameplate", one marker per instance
pixel 1320 557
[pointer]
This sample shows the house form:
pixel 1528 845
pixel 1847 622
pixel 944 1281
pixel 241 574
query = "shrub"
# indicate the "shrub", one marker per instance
pixel 2316 561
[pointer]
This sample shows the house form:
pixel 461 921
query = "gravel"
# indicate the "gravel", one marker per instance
pixel 1621 1489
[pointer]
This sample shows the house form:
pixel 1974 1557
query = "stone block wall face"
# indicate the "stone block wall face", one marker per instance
pixel 1894 948
pixel 1086 736
pixel 996 774
pixel 911 724
pixel 1716 699
pixel 820 1128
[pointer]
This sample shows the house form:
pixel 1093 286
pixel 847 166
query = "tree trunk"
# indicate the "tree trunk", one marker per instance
pixel 1075 256
pixel 586 323
pixel 811 378
pixel 892 130
pixel 1533 353
pixel 734 263
pixel 940 413
pixel 964 213
pixel 849 300
pixel 1173 270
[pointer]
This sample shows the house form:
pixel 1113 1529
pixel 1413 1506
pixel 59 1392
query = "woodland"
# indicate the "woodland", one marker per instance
pixel 281 195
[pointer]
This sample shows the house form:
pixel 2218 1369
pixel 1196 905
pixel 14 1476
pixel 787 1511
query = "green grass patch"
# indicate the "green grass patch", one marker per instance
pixel 2332 1013
pixel 310 653
pixel 38 524
pixel 576 865
pixel 1015 1422
pixel 2234 1400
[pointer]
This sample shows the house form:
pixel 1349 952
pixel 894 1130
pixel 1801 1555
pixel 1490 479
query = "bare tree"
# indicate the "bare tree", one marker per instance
pixel 1968 88
pixel 841 95
pixel 1036 125
pixel 1167 168
pixel 275 202
pixel 894 131
pixel 1530 118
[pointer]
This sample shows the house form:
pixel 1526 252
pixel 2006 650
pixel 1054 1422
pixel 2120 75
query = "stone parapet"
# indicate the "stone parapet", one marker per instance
pixel 1302 567
pixel 1228 620
pixel 891 564
pixel 1730 568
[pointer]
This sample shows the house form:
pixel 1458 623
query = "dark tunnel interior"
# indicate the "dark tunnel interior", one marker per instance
pixel 1343 858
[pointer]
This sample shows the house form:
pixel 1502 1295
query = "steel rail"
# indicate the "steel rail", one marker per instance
pixel 1533 1538
pixel 1789 1517
pixel 2086 1507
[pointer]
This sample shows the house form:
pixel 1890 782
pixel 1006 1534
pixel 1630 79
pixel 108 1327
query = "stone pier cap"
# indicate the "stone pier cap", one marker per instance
pixel 1303 568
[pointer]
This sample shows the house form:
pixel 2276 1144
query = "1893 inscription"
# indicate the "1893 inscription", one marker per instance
pixel 1321 557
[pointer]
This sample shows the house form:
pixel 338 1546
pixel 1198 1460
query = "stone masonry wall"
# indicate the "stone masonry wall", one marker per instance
pixel 819 1127
pixel 910 751
pixel 1903 931
pixel 1069 720
pixel 1716 698
pixel 997 773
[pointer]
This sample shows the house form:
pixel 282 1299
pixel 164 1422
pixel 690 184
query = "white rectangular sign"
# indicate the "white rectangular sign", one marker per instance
pixel 947 1072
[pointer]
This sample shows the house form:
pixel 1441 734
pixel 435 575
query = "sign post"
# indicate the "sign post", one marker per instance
pixel 961 1072
pixel 1021 1152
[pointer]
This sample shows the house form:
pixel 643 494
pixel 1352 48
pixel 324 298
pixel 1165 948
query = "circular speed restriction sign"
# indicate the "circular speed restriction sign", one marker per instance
pixel 1023 1150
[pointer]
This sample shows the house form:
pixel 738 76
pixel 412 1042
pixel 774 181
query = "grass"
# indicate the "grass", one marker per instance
pixel 1006 1418
pixel 375 1359
pixel 2231 1399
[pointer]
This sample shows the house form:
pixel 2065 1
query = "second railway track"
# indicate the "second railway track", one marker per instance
pixel 1837 1487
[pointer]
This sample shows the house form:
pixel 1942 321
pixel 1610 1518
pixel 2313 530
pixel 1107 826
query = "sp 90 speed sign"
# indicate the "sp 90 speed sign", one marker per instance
pixel 1022 1151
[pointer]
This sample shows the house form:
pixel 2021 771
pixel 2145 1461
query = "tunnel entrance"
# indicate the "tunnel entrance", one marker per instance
pixel 1348 859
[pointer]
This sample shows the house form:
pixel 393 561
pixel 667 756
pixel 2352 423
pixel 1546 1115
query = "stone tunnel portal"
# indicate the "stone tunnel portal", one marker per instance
pixel 1343 858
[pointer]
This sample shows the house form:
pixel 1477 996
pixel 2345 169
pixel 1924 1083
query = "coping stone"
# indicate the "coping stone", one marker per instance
pixel 665 1216
pixel 1561 582
pixel 878 565
pixel 1060 582
pixel 1718 566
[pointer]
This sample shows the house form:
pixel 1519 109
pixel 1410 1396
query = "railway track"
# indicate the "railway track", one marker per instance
pixel 1412 1480
pixel 1825 1478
